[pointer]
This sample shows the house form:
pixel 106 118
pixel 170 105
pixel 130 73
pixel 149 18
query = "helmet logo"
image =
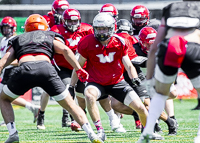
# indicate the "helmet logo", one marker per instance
pixel 64 7
pixel 62 2
pixel 139 10
pixel 122 27
pixel 110 8
pixel 73 13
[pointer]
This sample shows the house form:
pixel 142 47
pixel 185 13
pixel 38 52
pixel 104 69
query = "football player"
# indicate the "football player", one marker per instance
pixel 8 27
pixel 73 30
pixel 54 16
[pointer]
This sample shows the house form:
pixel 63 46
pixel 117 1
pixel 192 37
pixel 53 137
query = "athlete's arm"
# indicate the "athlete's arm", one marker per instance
pixel 60 48
pixel 151 55
pixel 7 58
pixel 74 77
pixel 129 67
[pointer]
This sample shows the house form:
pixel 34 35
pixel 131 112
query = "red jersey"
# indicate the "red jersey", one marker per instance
pixel 131 51
pixel 50 19
pixel 104 64
pixel 71 40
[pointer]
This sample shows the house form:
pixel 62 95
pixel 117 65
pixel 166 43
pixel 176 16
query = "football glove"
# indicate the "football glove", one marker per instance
pixel 136 82
pixel 82 75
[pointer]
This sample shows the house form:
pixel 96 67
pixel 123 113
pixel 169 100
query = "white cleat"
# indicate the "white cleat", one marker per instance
pixel 121 129
pixel 94 138
pixel 146 138
pixel 115 123
pixel 35 110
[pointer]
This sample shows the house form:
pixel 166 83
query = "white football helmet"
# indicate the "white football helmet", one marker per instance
pixel 103 19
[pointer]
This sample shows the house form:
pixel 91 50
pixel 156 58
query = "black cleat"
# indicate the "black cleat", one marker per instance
pixel 40 122
pixel 173 129
pixel 65 119
pixel 196 108
pixel 66 122
pixel 157 128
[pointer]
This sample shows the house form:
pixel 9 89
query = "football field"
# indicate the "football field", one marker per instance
pixel 54 133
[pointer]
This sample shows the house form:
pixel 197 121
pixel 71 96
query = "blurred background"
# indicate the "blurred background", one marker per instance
pixel 21 9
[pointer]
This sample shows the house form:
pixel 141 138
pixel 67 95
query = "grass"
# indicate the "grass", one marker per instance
pixel 54 133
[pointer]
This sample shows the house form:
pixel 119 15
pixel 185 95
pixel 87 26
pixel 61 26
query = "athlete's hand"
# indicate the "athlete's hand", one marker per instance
pixel 136 82
pixel 82 75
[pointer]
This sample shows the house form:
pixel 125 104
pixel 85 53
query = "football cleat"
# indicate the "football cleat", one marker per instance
pixel 101 134
pixel 40 122
pixel 157 128
pixel 65 120
pixel 75 126
pixel 14 138
pixel 138 124
pixel 94 138
pixel 114 123
pixel 173 129
pixel 121 129
pixel 148 137
pixel 35 110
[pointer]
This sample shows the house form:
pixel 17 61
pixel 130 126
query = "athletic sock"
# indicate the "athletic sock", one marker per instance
pixel 29 106
pixel 156 107
pixel 111 114
pixel 98 125
pixel 41 112
pixel 135 115
pixel 173 117
pixel 87 128
pixel 11 128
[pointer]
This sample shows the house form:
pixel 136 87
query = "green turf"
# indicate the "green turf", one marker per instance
pixel 187 119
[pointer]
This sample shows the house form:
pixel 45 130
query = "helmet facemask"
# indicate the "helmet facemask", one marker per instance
pixel 6 32
pixel 72 27
pixel 71 19
pixel 139 22
pixel 103 36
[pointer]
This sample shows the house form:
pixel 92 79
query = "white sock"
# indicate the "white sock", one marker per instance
pixel 111 114
pixel 156 107
pixel 87 128
pixel 29 106
pixel 11 128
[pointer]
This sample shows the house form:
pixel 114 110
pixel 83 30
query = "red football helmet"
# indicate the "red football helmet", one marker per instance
pixel 147 36
pixel 139 16
pixel 71 19
pixel 59 4
pixel 8 21
pixel 108 7
pixel 35 22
